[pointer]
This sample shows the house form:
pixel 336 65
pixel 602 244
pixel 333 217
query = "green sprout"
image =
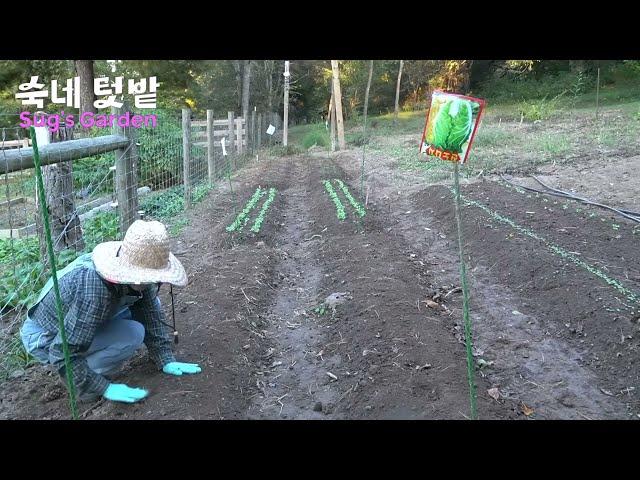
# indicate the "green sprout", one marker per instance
pixel 340 213
pixel 354 203
pixel 243 216
pixel 258 222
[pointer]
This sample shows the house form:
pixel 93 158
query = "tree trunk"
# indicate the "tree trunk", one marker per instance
pixel 285 130
pixel 337 100
pixel 366 93
pixel 395 112
pixel 246 83
pixel 84 70
pixel 465 76
pixel 332 119
pixel 238 69
pixel 268 69
pixel 66 232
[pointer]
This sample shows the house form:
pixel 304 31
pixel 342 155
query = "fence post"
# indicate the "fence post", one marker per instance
pixel 186 154
pixel 239 134
pixel 210 150
pixel 126 184
pixel 230 135
pixel 259 131
pixel 253 130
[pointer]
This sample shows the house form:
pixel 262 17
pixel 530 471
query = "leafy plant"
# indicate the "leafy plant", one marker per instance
pixel 318 136
pixel 164 205
pixel 320 309
pixel 340 213
pixel 258 222
pixel 243 217
pixel 102 227
pixel 200 192
pixel 354 203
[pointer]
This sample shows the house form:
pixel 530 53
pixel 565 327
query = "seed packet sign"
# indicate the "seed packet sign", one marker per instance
pixel 452 122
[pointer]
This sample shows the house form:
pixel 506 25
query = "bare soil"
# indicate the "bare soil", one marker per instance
pixel 317 318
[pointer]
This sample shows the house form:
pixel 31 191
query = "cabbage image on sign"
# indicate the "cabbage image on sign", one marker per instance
pixel 452 121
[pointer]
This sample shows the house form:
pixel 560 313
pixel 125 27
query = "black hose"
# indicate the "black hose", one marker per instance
pixel 635 217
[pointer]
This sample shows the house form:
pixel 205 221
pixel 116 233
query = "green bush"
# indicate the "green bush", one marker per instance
pixel 21 270
pixel 317 136
pixel 102 227
pixel 514 89
pixel 160 152
pixel 542 109
pixel 164 205
pixel 282 151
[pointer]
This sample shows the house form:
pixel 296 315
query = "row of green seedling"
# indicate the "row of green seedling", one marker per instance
pixel 340 210
pixel 243 217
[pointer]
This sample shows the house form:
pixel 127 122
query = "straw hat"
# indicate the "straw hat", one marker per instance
pixel 142 257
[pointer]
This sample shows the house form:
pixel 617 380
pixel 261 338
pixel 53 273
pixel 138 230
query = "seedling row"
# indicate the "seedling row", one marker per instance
pixel 245 215
pixel 341 213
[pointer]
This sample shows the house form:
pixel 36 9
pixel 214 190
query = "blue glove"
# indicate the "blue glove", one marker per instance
pixel 178 368
pixel 119 392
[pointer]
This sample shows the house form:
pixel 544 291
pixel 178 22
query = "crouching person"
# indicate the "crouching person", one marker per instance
pixel 110 307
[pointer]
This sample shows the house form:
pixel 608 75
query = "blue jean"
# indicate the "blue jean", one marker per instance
pixel 115 342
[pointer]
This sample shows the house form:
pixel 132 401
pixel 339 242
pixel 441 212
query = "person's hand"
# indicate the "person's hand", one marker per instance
pixel 119 392
pixel 178 368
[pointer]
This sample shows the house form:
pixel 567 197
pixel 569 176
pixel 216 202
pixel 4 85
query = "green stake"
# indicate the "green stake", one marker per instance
pixel 465 301
pixel 54 275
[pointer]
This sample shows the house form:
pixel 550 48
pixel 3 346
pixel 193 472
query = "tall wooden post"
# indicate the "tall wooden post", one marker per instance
pixel 332 119
pixel 126 178
pixel 253 130
pixel 285 126
pixel 210 151
pixel 239 134
pixel 337 100
pixel 396 108
pixel 259 131
pixel 186 154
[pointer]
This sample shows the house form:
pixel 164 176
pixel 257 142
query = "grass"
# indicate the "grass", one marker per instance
pixel 551 144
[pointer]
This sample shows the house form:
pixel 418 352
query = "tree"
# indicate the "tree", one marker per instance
pixel 84 70
pixel 66 232
pixel 366 93
pixel 395 112
pixel 337 98
pixel 246 83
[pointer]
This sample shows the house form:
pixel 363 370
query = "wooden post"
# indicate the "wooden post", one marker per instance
pixel 337 100
pixel 186 155
pixel 332 119
pixel 285 126
pixel 597 93
pixel 253 130
pixel 230 135
pixel 126 184
pixel 239 134
pixel 396 108
pixel 210 150
pixel 259 132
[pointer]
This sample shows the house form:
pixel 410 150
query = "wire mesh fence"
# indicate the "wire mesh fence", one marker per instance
pixel 97 181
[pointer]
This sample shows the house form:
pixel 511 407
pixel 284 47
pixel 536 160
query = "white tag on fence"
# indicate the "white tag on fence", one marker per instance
pixel 222 142
pixel 271 130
